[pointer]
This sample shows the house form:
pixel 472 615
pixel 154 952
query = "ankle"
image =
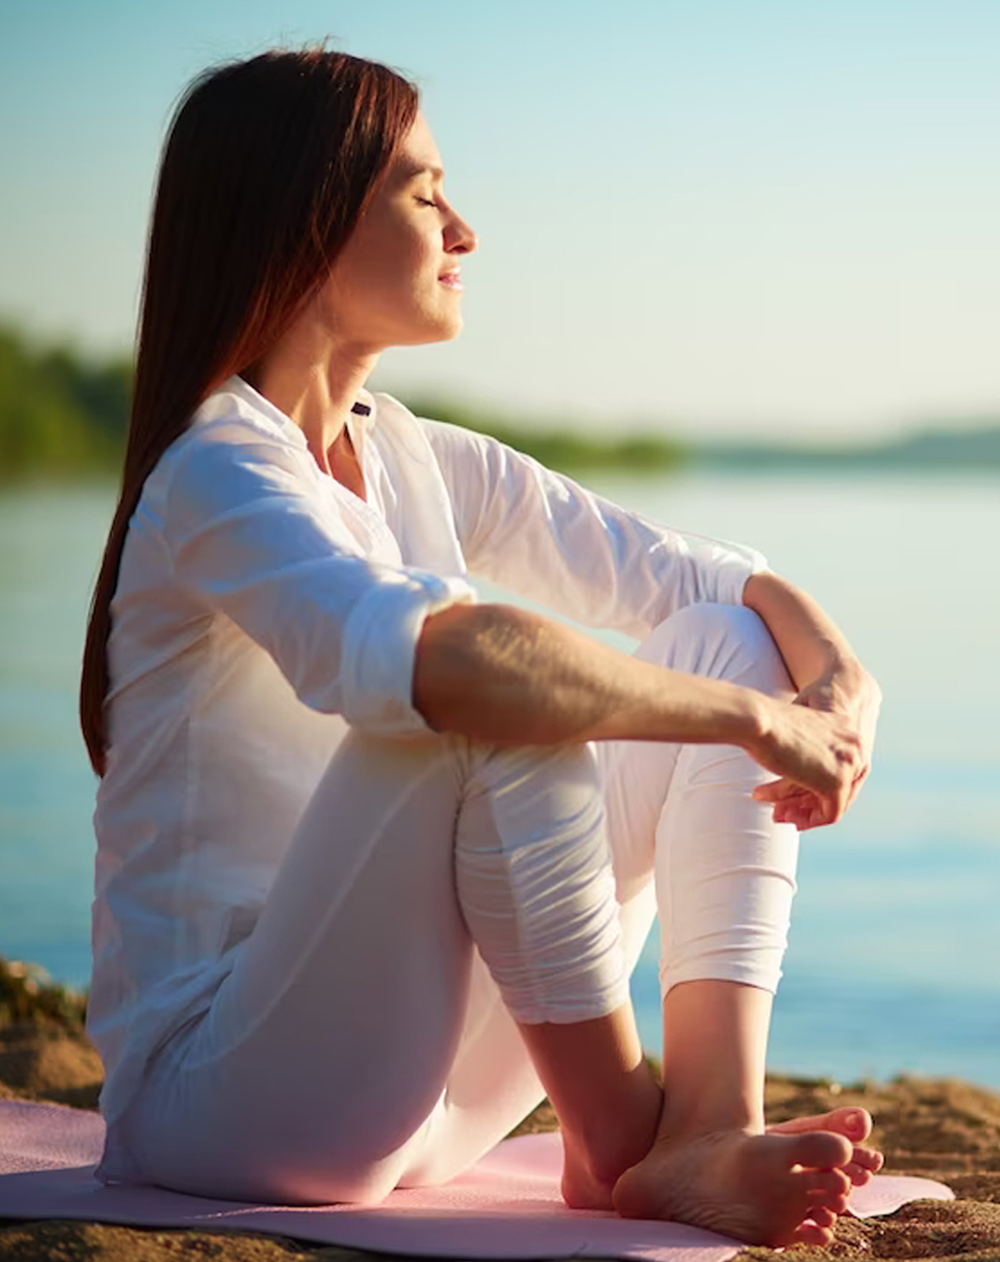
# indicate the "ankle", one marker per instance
pixel 599 1161
pixel 685 1119
pixel 604 1146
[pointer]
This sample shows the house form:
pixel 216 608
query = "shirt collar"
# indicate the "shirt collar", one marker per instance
pixel 359 422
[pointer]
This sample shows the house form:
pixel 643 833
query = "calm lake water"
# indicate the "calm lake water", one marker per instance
pixel 894 962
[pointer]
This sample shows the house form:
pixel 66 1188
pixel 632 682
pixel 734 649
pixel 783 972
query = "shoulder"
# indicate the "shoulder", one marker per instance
pixel 400 434
pixel 237 415
pixel 393 418
pixel 447 440
pixel 234 426
pixel 237 448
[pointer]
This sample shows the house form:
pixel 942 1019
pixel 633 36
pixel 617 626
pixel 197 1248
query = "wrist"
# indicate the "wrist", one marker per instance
pixel 750 718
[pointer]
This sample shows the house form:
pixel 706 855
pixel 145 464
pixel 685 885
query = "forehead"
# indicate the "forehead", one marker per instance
pixel 417 152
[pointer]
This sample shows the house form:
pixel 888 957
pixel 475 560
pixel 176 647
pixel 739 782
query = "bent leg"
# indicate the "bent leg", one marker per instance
pixel 340 1056
pixel 534 879
pixel 724 874
pixel 327 1047
pixel 344 1053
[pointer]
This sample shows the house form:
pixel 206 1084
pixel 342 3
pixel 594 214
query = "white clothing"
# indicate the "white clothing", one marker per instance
pixel 261 612
pixel 359 1042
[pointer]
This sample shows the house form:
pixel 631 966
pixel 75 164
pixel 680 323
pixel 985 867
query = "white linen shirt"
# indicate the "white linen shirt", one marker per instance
pixel 261 608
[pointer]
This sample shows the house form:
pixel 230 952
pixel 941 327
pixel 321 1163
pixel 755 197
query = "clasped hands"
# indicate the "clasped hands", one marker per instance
pixel 823 760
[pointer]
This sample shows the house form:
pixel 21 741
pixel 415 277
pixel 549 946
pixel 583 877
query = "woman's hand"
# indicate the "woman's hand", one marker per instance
pixel 851 698
pixel 508 676
pixel 831 681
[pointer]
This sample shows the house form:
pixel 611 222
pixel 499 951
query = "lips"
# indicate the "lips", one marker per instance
pixel 451 279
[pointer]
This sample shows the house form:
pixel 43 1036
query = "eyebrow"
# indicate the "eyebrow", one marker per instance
pixel 413 169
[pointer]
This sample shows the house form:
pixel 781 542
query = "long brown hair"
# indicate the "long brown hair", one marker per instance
pixel 267 167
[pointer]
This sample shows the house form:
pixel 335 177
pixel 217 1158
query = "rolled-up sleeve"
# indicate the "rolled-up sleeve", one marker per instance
pixel 543 535
pixel 249 536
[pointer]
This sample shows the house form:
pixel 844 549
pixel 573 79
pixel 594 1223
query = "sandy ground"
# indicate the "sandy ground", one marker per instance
pixel 945 1129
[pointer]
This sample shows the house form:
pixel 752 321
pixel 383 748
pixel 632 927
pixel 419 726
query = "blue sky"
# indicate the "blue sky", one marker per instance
pixel 714 216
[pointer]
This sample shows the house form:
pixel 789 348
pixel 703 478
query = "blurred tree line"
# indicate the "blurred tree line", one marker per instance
pixel 565 447
pixel 59 412
pixel 64 414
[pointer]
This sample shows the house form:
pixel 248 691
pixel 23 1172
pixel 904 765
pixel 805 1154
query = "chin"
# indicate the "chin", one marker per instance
pixel 442 330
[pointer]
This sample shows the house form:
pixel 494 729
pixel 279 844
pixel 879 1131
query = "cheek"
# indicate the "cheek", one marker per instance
pixel 392 259
pixel 406 275
pixel 385 284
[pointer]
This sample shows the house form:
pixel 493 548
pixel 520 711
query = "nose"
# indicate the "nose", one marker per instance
pixel 459 237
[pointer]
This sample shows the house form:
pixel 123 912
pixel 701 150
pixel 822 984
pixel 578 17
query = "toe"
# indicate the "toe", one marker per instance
pixel 827 1188
pixel 868 1158
pixel 821 1150
pixel 864 1163
pixel 854 1124
pixel 810 1232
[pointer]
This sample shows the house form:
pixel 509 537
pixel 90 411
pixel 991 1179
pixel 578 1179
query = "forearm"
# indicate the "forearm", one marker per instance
pixel 502 675
pixel 811 644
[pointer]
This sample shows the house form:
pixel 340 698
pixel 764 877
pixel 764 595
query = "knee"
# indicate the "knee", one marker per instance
pixel 727 642
pixel 734 626
pixel 496 768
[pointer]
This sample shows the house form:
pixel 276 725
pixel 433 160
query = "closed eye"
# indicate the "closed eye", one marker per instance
pixel 425 201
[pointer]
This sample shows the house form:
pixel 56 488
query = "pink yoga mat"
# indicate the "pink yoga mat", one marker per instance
pixel 506 1206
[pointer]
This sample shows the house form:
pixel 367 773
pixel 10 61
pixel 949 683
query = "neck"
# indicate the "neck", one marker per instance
pixel 315 386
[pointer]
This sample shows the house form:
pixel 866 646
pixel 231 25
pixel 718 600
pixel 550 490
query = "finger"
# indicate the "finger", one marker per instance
pixel 800 809
pixel 856 786
pixel 798 800
pixel 800 817
pixel 779 790
pixel 822 812
pixel 834 807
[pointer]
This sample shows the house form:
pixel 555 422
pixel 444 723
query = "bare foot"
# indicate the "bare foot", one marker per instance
pixel 772 1189
pixel 581 1189
pixel 855 1124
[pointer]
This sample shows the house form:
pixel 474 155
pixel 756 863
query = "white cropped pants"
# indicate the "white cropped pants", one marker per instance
pixel 435 891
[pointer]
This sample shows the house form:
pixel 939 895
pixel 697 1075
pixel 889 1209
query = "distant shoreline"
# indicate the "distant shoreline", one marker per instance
pixel 64 416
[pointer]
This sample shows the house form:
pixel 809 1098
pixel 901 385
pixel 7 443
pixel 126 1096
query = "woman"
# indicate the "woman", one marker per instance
pixel 375 861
